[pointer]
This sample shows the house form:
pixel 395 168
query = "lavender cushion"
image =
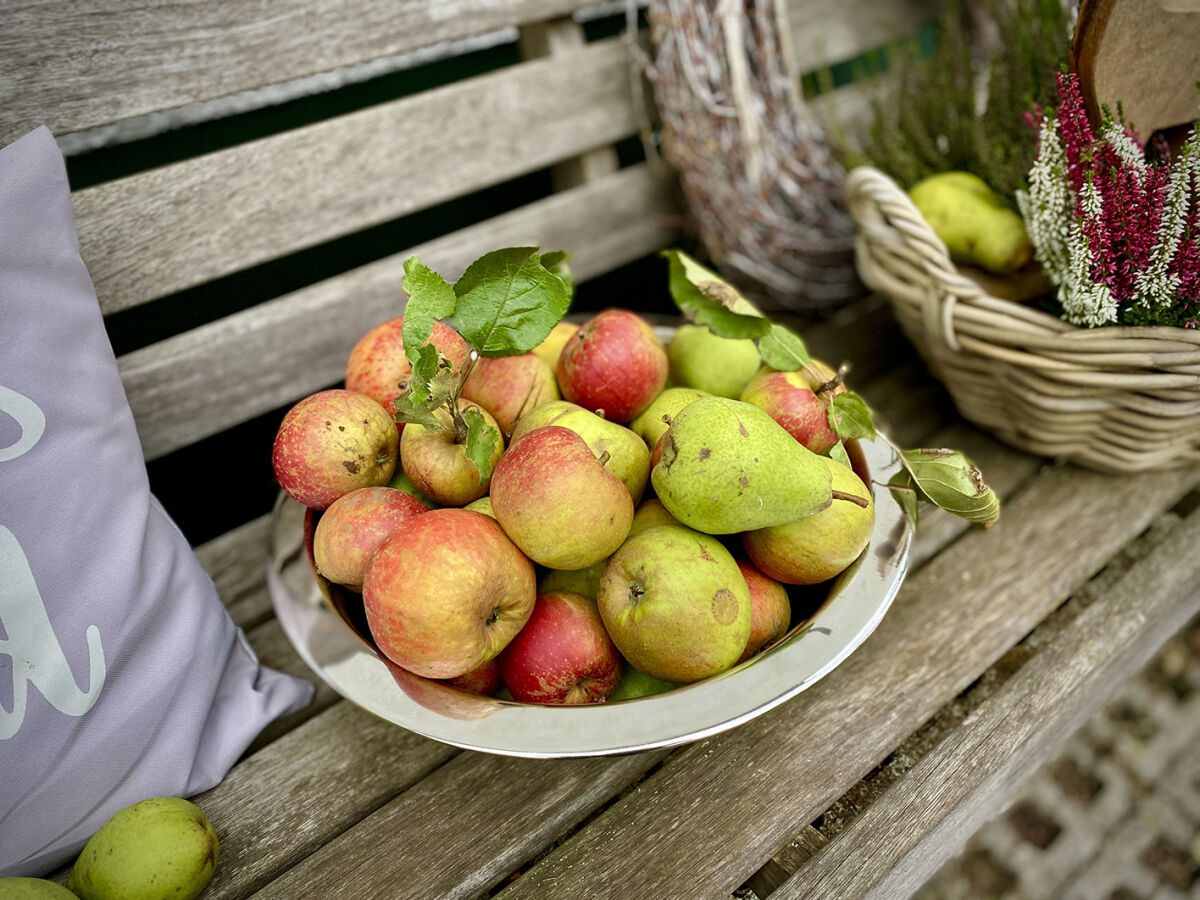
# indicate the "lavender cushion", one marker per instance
pixel 122 676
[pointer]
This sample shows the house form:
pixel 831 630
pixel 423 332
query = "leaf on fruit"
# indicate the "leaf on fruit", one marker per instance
pixel 481 442
pixel 904 490
pixel 838 452
pixel 430 297
pixel 556 261
pixel 425 361
pixel 949 480
pixel 508 302
pixel 708 300
pixel 783 349
pixel 411 413
pixel 850 417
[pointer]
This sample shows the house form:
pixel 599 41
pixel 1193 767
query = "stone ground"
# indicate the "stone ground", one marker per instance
pixel 1116 816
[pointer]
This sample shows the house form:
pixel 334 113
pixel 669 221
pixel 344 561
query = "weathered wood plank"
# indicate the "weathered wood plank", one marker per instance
pixel 74 66
pixel 180 225
pixel 236 561
pixel 205 380
pixel 919 823
pixel 682 832
pixel 824 32
pixel 284 802
pixel 505 811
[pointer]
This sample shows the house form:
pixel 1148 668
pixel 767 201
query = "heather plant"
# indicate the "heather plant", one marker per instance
pixel 1117 234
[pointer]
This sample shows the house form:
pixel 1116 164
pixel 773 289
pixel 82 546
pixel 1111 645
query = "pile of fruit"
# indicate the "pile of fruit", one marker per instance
pixel 573 513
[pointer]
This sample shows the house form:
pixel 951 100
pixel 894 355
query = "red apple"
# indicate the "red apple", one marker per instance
pixel 770 609
pixel 615 363
pixel 557 502
pixel 378 367
pixel 331 443
pixel 510 386
pixel 436 460
pixel 353 528
pixel 563 655
pixel 485 680
pixel 792 400
pixel 446 591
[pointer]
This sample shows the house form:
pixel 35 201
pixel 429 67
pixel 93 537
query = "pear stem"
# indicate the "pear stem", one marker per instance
pixel 603 458
pixel 852 498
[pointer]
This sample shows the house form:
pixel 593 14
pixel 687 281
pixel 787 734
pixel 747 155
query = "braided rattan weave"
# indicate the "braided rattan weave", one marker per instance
pixel 1116 399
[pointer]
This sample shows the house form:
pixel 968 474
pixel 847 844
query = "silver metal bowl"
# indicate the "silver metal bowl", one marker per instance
pixel 325 624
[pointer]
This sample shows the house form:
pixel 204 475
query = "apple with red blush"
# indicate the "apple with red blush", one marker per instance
pixel 354 526
pixel 770 610
pixel 799 401
pixel 614 363
pixel 379 368
pixel 509 387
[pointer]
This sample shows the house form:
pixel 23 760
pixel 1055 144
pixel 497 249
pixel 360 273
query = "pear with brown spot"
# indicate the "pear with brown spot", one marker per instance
pixel 676 604
pixel 727 466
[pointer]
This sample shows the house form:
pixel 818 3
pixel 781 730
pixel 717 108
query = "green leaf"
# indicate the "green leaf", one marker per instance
pixel 708 300
pixel 429 297
pixel 904 490
pixel 949 480
pixel 556 261
pixel 850 417
pixel 481 442
pixel 782 349
pixel 508 302
pixel 838 452
pixel 425 361
pixel 415 413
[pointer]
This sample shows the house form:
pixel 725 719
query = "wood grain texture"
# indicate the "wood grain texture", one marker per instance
pixel 78 65
pixel 236 561
pixel 682 831
pixel 919 823
pixel 462 829
pixel 208 379
pixel 824 32
pixel 284 802
pixel 180 225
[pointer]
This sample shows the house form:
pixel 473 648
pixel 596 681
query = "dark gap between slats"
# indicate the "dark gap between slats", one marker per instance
pixel 108 163
pixel 611 26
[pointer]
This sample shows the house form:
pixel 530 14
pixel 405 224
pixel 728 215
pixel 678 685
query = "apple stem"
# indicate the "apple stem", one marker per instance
pixel 852 498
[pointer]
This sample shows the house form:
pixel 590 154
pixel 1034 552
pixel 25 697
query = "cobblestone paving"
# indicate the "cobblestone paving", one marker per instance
pixel 1116 816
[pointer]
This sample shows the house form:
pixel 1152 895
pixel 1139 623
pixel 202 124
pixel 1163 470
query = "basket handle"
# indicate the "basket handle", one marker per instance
pixel 892 234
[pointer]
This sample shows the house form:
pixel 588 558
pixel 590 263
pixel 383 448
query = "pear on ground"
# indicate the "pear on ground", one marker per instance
pixel 628 457
pixel 651 513
pixel 675 604
pixel 557 503
pixel 705 361
pixel 727 467
pixel 161 847
pixel 818 547
pixel 651 424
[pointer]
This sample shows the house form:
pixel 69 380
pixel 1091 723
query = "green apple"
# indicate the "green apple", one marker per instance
pixel 651 424
pixel 580 581
pixel 635 683
pixel 702 360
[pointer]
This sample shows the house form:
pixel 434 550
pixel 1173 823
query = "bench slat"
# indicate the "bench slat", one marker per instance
pixel 682 831
pixel 174 227
pixel 922 821
pixel 76 66
pixel 205 380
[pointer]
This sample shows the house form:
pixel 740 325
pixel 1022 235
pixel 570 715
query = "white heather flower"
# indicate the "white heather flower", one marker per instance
pixel 1154 284
pixel 1124 146
pixel 1047 208
pixel 1085 301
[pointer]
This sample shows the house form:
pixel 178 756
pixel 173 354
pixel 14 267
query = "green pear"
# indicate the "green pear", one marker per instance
pixel 702 360
pixel 727 466
pixel 650 513
pixel 160 848
pixel 33 889
pixel 817 547
pixel 628 457
pixel 635 683
pixel 675 603
pixel 580 581
pixel 650 424
pixel 977 225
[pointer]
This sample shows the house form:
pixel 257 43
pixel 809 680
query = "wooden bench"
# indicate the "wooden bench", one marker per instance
pixel 237 261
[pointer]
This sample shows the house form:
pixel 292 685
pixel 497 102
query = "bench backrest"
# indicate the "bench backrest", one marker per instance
pixel 230 267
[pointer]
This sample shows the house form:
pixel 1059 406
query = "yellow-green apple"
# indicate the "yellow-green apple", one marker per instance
pixel 798 401
pixel 820 546
pixel 510 386
pixel 557 502
pixel 378 367
pixel 353 526
pixel 483 505
pixel 652 422
pixel 331 443
pixel 550 349
pixel 635 683
pixel 436 460
pixel 402 482
pixel 650 513
pixel 628 457
pixel 705 361
pixel 485 680
pixel 771 610
pixel 563 655
pixel 675 604
pixel 615 363
pixel 446 591
pixel 579 581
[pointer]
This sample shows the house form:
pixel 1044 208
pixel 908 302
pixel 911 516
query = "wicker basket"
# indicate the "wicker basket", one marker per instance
pixel 1116 399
